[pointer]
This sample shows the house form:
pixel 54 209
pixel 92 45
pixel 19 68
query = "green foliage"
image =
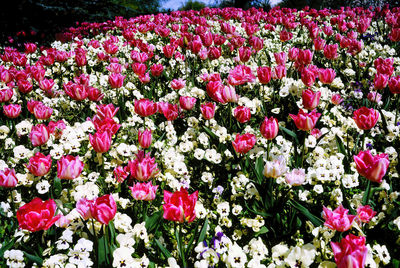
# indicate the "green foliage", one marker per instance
pixel 192 5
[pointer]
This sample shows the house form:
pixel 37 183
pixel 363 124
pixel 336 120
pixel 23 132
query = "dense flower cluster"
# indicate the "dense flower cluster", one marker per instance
pixel 219 137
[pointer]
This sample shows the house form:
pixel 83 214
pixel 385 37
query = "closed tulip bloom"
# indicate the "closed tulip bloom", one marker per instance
pixel 69 167
pixel 37 215
pixel 242 114
pixel 144 191
pixel 101 141
pixel 187 103
pixel 104 209
pixel 8 178
pixel 275 168
pixel 305 57
pixel 280 58
pixel 326 76
pixel 244 143
pixel 308 77
pixel 394 85
pixel 144 138
pixel 371 167
pixel 244 54
pixel 310 99
pixel 39 135
pixel 84 207
pixel 116 80
pixel 143 167
pixel 374 96
pixel 156 69
pixel 39 164
pixel 94 94
pixel 208 110
pixel 279 72
pixel 264 74
pixel 365 118
pixel 24 86
pixel 380 81
pixel 240 75
pixel 269 128
pixel 180 206
pixel 57 128
pixel 42 112
pixel 12 110
pixel 6 94
pixel 304 121
pixel 330 51
pixel 350 252
pixel 338 219
pixel 145 107
pixel 293 53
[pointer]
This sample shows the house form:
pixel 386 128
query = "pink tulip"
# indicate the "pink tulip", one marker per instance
pixel 39 135
pixel 12 110
pixel 279 72
pixel 319 44
pixel 94 94
pixel 208 110
pixel 106 124
pixel 330 51
pixel 104 209
pixel 187 103
pixel 106 111
pixel 144 191
pixel 145 107
pixel 39 164
pixel 24 86
pixel 338 219
pixel 296 177
pixel 310 99
pixel 8 178
pixel 350 252
pixel 380 81
pixel 293 53
pixel 101 141
pixel 42 112
pixel 305 57
pixel 371 167
pixel 6 94
pixel 326 76
pixel 56 128
pixel 85 207
pixel 37 215
pixel 120 174
pixel 244 54
pixel 69 167
pixel 242 114
pixel 244 143
pixel 269 128
pixel 156 69
pixel 116 80
pixel 365 118
pixel 374 96
pixel 394 85
pixel 240 75
pixel 144 138
pixel 143 167
pixel 180 206
pixel 336 99
pixel 308 77
pixel 280 58
pixel 177 84
pixel 76 91
pixel 264 74
pixel 304 121
pixel 365 213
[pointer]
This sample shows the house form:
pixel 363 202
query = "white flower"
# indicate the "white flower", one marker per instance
pixel 43 187
pixel 123 257
pixel 236 256
pixel 301 256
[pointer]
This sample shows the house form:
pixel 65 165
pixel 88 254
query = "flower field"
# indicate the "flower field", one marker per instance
pixel 218 138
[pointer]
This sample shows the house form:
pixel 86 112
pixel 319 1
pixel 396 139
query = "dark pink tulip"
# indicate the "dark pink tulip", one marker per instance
pixel 8 178
pixel 304 121
pixel 12 110
pixel 39 135
pixel 264 74
pixel 39 164
pixel 269 128
pixel 101 141
pixel 365 118
pixel 116 80
pixel 145 107
pixel 326 76
pixel 144 138
pixel 69 167
pixel 104 209
pixel 350 252
pixel 207 110
pixel 242 114
pixel 371 167
pixel 310 99
pixel 187 103
pixel 244 143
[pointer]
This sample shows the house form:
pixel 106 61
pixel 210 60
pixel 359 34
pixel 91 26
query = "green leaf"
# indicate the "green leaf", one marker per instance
pixel 367 193
pixel 316 221
pixel 164 251
pixel 259 168
pixel 396 263
pixel 33 258
pixel 57 187
pixel 290 133
pixel 6 246
pixel 340 145
pixel 153 221
pixel 209 132
pixel 102 251
pixel 203 231
pixel 263 230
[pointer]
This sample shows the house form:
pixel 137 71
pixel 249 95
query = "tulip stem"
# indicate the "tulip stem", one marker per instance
pixel 180 245
pixel 268 148
pixel 96 242
pixel 303 151
pixel 397 104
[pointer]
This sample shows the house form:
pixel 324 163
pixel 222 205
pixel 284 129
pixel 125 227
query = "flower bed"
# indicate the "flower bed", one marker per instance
pixel 215 138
